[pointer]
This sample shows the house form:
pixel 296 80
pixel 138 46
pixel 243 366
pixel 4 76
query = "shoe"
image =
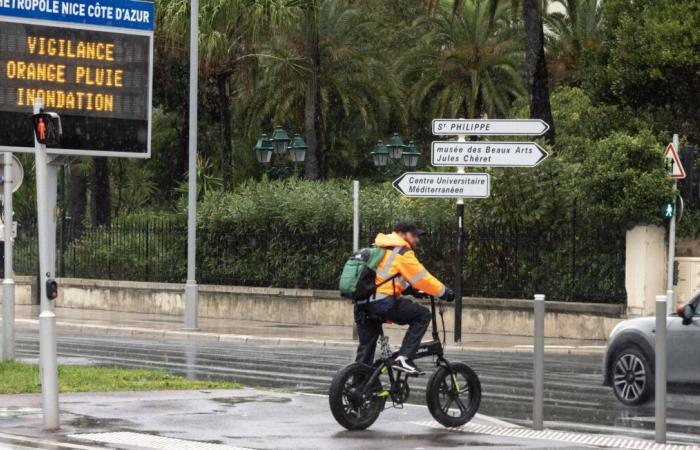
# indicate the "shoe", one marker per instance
pixel 402 364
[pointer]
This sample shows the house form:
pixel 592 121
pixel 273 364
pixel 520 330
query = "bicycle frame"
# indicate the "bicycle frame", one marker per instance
pixel 426 349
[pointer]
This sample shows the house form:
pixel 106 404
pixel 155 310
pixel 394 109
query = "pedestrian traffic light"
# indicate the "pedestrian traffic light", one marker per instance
pixel 668 210
pixel 688 185
pixel 47 128
pixel 51 289
pixel 40 126
pixel 676 273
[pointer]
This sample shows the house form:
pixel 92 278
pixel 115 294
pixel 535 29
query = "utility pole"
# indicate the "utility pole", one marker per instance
pixel 191 289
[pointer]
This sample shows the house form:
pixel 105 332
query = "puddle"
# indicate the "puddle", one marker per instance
pixel 441 439
pixel 259 399
pixel 95 422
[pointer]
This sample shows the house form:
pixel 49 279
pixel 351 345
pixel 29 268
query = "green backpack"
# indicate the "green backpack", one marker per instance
pixel 357 281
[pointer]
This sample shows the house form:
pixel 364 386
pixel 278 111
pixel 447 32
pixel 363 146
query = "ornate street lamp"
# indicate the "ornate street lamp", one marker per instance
pixel 380 155
pixel 263 149
pixel 298 148
pixel 410 155
pixel 280 140
pixel 395 146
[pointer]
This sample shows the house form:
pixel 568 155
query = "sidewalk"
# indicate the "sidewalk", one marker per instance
pixel 111 323
pixel 251 418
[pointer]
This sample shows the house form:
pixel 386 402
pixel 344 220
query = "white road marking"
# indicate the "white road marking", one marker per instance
pixel 44 442
pixel 562 436
pixel 150 441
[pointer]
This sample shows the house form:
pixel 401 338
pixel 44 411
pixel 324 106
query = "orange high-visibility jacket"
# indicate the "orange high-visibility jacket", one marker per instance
pixel 400 259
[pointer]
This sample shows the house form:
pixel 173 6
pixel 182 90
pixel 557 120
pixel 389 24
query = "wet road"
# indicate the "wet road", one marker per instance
pixel 574 397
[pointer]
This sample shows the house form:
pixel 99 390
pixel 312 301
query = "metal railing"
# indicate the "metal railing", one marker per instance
pixel 567 265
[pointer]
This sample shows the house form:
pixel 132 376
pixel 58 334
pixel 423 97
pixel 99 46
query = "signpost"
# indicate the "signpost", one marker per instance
pixel 12 177
pixel 463 185
pixel 486 127
pixel 444 185
pixel 676 172
pixel 675 167
pixel 90 64
pixel 487 154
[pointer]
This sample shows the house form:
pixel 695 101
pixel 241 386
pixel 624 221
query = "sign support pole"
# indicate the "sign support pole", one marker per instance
pixel 355 231
pixel 8 283
pixel 459 257
pixel 672 241
pixel 191 290
pixel 45 183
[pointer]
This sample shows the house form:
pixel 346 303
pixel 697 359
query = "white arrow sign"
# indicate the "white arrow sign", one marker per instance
pixel 504 127
pixel 487 154
pixel 444 185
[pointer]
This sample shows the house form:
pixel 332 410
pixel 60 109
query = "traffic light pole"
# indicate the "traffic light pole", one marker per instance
pixel 46 185
pixel 672 243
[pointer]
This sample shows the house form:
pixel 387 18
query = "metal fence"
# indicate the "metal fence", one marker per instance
pixel 565 265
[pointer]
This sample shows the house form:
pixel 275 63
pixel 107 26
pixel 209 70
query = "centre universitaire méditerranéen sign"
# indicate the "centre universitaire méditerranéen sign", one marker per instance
pixel 92 66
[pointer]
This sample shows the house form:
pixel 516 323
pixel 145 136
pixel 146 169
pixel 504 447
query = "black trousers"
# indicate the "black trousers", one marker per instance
pixel 401 311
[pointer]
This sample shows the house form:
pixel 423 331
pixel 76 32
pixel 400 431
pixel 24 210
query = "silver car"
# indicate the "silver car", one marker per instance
pixel 628 366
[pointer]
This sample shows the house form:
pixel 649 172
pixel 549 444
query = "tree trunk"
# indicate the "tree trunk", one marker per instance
pixel 77 196
pixel 225 116
pixel 537 77
pixel 101 194
pixel 313 122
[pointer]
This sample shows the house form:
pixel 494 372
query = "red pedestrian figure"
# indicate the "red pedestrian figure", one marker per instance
pixel 41 126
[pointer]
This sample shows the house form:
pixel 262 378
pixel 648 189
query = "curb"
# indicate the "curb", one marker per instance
pixel 109 330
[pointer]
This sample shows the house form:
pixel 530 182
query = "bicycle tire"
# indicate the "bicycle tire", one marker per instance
pixel 349 416
pixel 440 395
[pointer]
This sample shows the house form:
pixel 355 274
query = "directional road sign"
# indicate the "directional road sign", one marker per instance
pixel 503 127
pixel 675 167
pixel 444 185
pixel 487 154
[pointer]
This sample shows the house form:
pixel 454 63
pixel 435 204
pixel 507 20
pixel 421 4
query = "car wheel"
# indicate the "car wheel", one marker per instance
pixel 632 377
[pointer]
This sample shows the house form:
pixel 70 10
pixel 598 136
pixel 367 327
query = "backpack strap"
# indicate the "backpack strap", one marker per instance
pixel 385 270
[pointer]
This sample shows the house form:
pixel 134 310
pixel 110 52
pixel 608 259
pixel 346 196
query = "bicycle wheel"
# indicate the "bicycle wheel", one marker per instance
pixel 453 402
pixel 351 408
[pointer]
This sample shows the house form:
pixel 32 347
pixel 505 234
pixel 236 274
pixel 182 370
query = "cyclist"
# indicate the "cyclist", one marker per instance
pixel 399 272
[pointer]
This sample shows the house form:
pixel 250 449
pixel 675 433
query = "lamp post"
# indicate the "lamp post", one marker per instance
pixel 278 145
pixel 389 154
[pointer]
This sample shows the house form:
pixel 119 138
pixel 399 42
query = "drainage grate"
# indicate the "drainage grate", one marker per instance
pixel 151 441
pixel 563 436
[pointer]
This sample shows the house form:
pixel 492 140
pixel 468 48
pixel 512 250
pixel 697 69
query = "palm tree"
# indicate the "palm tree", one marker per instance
pixel 572 32
pixel 536 64
pixel 327 67
pixel 463 66
pixel 228 35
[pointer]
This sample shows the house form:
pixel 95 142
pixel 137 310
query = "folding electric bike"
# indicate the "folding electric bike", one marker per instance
pixel 358 392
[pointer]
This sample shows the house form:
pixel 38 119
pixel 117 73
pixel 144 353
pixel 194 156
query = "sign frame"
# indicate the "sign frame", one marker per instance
pixel 397 182
pixel 543 153
pixel 497 132
pixel 89 27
